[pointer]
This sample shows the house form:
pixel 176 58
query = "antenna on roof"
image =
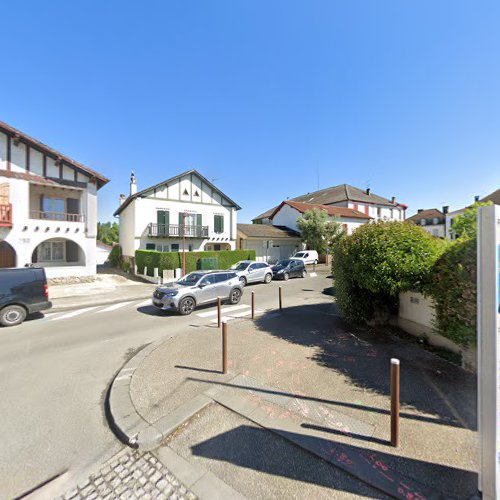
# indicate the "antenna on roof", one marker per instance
pixel 368 183
pixel 214 179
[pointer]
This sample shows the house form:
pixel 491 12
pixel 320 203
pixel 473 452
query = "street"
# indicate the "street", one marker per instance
pixel 55 371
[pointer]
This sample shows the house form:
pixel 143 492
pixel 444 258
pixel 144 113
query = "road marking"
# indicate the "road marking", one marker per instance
pixel 224 310
pixel 237 315
pixel 115 306
pixel 74 313
pixel 145 303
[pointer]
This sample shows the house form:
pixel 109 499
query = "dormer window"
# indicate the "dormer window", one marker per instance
pixel 435 220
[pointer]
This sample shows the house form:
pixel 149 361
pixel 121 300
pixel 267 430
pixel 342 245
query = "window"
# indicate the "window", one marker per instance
pixel 220 278
pixel 379 212
pixel 175 247
pixel 190 248
pixel 208 280
pixel 392 213
pixel 53 208
pixel 218 224
pixel 150 246
pixel 51 251
pixel 216 248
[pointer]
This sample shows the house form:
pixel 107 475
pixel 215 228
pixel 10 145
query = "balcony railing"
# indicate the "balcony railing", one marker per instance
pixel 174 230
pixel 6 215
pixel 59 216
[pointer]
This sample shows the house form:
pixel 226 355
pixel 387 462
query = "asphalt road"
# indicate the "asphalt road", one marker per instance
pixel 55 371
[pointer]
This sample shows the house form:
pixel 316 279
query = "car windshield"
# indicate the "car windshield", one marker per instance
pixel 240 266
pixel 300 254
pixel 190 279
pixel 283 263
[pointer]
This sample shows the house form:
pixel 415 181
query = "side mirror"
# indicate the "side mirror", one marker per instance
pixel 202 285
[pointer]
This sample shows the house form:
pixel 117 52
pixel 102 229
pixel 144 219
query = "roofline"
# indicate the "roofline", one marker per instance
pixel 51 152
pixel 317 206
pixel 129 200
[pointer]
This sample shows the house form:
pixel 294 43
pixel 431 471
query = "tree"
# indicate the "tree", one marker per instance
pixel 318 231
pixel 108 233
pixel 465 225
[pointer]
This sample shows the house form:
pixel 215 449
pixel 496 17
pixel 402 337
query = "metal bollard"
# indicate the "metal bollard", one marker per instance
pixel 253 305
pixel 395 402
pixel 224 347
pixel 219 312
pixel 280 297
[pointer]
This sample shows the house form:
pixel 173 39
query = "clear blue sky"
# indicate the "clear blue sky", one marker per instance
pixel 263 95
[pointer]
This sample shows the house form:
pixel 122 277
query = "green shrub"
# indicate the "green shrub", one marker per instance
pixel 173 260
pixel 453 290
pixel 115 256
pixel 376 262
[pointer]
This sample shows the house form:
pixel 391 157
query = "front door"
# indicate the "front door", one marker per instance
pixel 7 255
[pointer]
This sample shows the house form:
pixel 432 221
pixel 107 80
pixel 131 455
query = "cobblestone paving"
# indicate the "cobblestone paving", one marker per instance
pixel 131 474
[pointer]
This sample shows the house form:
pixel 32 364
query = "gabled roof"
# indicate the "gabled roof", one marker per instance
pixel 266 214
pixel 493 197
pixel 4 127
pixel 267 231
pixel 331 210
pixel 430 213
pixel 144 192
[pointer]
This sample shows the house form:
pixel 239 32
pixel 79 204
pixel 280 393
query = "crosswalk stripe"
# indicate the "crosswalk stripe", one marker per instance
pixel 237 315
pixel 224 310
pixel 114 307
pixel 145 303
pixel 74 313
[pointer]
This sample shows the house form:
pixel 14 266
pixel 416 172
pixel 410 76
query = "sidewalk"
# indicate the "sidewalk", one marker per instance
pixel 303 411
pixel 107 289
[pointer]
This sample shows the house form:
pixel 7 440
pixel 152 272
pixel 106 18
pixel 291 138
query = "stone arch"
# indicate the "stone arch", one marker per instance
pixel 8 256
pixel 54 252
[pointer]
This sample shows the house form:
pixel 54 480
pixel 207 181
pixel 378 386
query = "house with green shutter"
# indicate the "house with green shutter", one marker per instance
pixel 184 212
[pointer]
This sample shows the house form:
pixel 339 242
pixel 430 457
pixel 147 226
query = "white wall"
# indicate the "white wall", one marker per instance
pixel 437 230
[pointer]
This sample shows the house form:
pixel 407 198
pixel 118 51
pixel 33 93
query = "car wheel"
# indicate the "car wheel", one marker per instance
pixel 286 276
pixel 187 306
pixel 268 278
pixel 304 273
pixel 235 296
pixel 12 315
pixel 315 261
pixel 243 281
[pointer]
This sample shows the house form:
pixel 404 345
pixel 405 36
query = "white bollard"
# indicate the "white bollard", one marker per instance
pixel 145 273
pixel 155 272
pixel 135 269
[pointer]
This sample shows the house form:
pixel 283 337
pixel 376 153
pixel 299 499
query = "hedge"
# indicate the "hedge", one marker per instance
pixel 376 262
pixel 115 256
pixel 453 290
pixel 173 260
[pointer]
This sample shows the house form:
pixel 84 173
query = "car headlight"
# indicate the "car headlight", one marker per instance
pixel 171 294
pixel 280 271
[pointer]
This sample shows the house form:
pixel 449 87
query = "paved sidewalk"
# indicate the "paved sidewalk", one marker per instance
pixel 313 391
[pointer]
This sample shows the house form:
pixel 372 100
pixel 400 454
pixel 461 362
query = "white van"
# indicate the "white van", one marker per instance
pixel 307 256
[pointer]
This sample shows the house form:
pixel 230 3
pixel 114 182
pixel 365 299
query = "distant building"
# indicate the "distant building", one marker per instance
pixel 432 220
pixel 48 208
pixel 186 209
pixel 102 253
pixel 344 195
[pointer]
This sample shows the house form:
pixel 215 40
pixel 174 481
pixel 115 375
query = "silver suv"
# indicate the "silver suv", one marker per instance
pixel 197 288
pixel 250 271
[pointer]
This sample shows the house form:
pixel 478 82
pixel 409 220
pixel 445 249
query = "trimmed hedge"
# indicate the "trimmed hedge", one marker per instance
pixel 173 260
pixel 115 256
pixel 453 290
pixel 376 262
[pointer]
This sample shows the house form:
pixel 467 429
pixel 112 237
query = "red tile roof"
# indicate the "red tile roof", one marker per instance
pixel 332 210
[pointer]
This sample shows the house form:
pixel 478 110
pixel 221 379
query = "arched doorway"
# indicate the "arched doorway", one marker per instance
pixel 7 255
pixel 56 252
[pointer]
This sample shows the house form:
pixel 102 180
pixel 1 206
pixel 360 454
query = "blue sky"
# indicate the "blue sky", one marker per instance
pixel 264 96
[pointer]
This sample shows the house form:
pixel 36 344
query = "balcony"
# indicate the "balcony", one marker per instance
pixel 176 231
pixel 6 215
pixel 57 216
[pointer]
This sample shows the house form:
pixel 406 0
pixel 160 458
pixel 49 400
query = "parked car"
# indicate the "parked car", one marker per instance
pixel 307 256
pixel 250 271
pixel 197 288
pixel 22 291
pixel 290 268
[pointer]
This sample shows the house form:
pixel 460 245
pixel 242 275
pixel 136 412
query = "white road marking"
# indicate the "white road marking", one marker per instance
pixel 74 313
pixel 237 315
pixel 114 307
pixel 224 310
pixel 145 303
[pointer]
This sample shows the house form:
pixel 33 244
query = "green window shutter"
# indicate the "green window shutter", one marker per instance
pixel 218 223
pixel 221 223
pixel 198 225
pixel 181 222
pixel 162 221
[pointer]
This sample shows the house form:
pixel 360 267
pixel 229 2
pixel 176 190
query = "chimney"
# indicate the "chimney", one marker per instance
pixel 393 199
pixel 420 210
pixel 368 191
pixel 445 209
pixel 133 184
pixel 476 198
pixel 122 198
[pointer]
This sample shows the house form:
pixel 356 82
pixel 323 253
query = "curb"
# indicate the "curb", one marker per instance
pixel 99 303
pixel 126 422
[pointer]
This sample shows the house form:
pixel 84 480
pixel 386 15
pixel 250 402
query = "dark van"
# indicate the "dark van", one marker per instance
pixel 23 291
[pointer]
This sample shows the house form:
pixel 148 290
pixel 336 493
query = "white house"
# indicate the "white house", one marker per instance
pixel 289 211
pixel 185 211
pixel 344 195
pixel 48 208
pixel 432 220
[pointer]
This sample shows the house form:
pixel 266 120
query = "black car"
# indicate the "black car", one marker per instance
pixel 290 268
pixel 23 291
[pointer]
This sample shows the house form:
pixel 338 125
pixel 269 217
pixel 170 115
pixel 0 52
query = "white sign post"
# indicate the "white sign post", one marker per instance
pixel 488 342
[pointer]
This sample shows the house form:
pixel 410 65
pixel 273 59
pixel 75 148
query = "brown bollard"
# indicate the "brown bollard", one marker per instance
pixel 224 347
pixel 280 296
pixel 394 402
pixel 219 313
pixel 253 305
